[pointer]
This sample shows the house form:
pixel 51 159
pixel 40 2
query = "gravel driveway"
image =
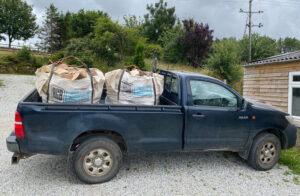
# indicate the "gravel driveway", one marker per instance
pixel 207 173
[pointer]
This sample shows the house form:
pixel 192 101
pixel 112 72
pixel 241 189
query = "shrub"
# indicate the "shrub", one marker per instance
pixel 196 41
pixel 81 48
pixel 9 59
pixel 12 64
pixel 36 62
pixel 138 58
pixel 150 50
pixel 104 48
pixel 173 50
pixel 24 54
pixel 58 55
pixel 262 47
pixel 224 60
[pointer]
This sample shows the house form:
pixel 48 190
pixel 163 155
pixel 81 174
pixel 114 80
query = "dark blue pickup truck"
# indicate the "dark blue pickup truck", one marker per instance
pixel 196 113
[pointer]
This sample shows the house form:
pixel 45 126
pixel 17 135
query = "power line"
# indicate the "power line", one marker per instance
pixel 250 25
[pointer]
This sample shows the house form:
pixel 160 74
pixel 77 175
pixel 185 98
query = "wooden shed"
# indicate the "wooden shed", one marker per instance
pixel 275 80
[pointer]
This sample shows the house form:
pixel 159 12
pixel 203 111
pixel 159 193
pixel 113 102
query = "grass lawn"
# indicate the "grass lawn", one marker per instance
pixel 6 51
pixel 291 158
pixel 179 66
pixel 1 83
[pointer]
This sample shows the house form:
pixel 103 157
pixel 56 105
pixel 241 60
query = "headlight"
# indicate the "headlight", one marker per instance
pixel 290 118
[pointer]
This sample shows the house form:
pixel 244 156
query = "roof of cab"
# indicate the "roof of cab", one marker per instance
pixel 186 73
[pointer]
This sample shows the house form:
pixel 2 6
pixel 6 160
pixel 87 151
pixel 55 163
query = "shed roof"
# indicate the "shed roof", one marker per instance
pixel 282 58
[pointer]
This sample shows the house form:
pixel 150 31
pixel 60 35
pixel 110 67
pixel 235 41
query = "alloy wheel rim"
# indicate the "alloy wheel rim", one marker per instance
pixel 97 162
pixel 267 153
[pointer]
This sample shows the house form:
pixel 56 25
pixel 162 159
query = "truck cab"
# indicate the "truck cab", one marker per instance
pixel 217 117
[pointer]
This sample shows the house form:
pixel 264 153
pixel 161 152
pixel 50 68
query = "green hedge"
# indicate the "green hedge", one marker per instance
pixel 150 51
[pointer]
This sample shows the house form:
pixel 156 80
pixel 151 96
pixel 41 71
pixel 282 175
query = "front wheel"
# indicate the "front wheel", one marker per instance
pixel 265 152
pixel 97 160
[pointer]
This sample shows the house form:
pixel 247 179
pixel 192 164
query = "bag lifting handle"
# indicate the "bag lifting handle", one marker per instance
pixel 54 64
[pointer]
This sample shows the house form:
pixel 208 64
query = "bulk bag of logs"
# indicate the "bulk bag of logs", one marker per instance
pixel 133 87
pixel 63 83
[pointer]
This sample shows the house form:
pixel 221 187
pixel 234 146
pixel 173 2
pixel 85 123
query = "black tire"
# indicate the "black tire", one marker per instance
pixel 108 150
pixel 265 152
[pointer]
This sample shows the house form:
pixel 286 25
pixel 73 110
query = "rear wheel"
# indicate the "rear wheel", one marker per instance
pixel 97 160
pixel 265 152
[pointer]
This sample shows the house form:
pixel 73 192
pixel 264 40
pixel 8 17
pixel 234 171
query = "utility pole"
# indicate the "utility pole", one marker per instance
pixel 249 25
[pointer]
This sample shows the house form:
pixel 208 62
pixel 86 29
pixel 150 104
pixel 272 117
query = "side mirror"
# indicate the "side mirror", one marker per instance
pixel 244 104
pixel 241 104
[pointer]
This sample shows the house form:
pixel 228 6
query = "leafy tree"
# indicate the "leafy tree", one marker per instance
pixel 287 45
pixel 108 38
pixel 139 56
pixel 173 50
pixel 122 39
pixel 83 48
pixel 16 20
pixel 280 45
pixel 131 21
pixel 159 19
pixel 82 23
pixel 2 38
pixel 50 33
pixel 196 41
pixel 64 30
pixel 224 60
pixel 104 47
pixel 261 47
pixel 132 37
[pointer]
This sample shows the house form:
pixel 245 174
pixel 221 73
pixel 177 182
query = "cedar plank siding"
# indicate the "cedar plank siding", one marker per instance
pixel 269 82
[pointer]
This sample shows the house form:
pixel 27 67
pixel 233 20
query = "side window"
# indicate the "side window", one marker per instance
pixel 211 94
pixel 168 83
pixel 171 84
pixel 174 86
pixel 170 91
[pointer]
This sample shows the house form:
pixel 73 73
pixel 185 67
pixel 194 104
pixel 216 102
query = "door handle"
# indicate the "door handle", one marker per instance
pixel 198 115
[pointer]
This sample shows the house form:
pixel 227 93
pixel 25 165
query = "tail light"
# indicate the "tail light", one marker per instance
pixel 19 131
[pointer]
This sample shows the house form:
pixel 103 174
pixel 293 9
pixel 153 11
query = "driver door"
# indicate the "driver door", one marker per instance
pixel 213 119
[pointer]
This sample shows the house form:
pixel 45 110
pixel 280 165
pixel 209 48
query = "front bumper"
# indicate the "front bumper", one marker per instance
pixel 12 144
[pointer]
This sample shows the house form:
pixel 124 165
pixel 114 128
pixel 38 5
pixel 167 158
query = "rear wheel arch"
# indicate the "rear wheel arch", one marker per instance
pixel 113 135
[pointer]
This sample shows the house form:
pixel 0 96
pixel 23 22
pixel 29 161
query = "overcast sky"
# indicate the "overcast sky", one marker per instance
pixel 281 18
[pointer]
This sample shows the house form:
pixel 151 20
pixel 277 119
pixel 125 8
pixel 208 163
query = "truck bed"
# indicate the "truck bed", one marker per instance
pixel 53 128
